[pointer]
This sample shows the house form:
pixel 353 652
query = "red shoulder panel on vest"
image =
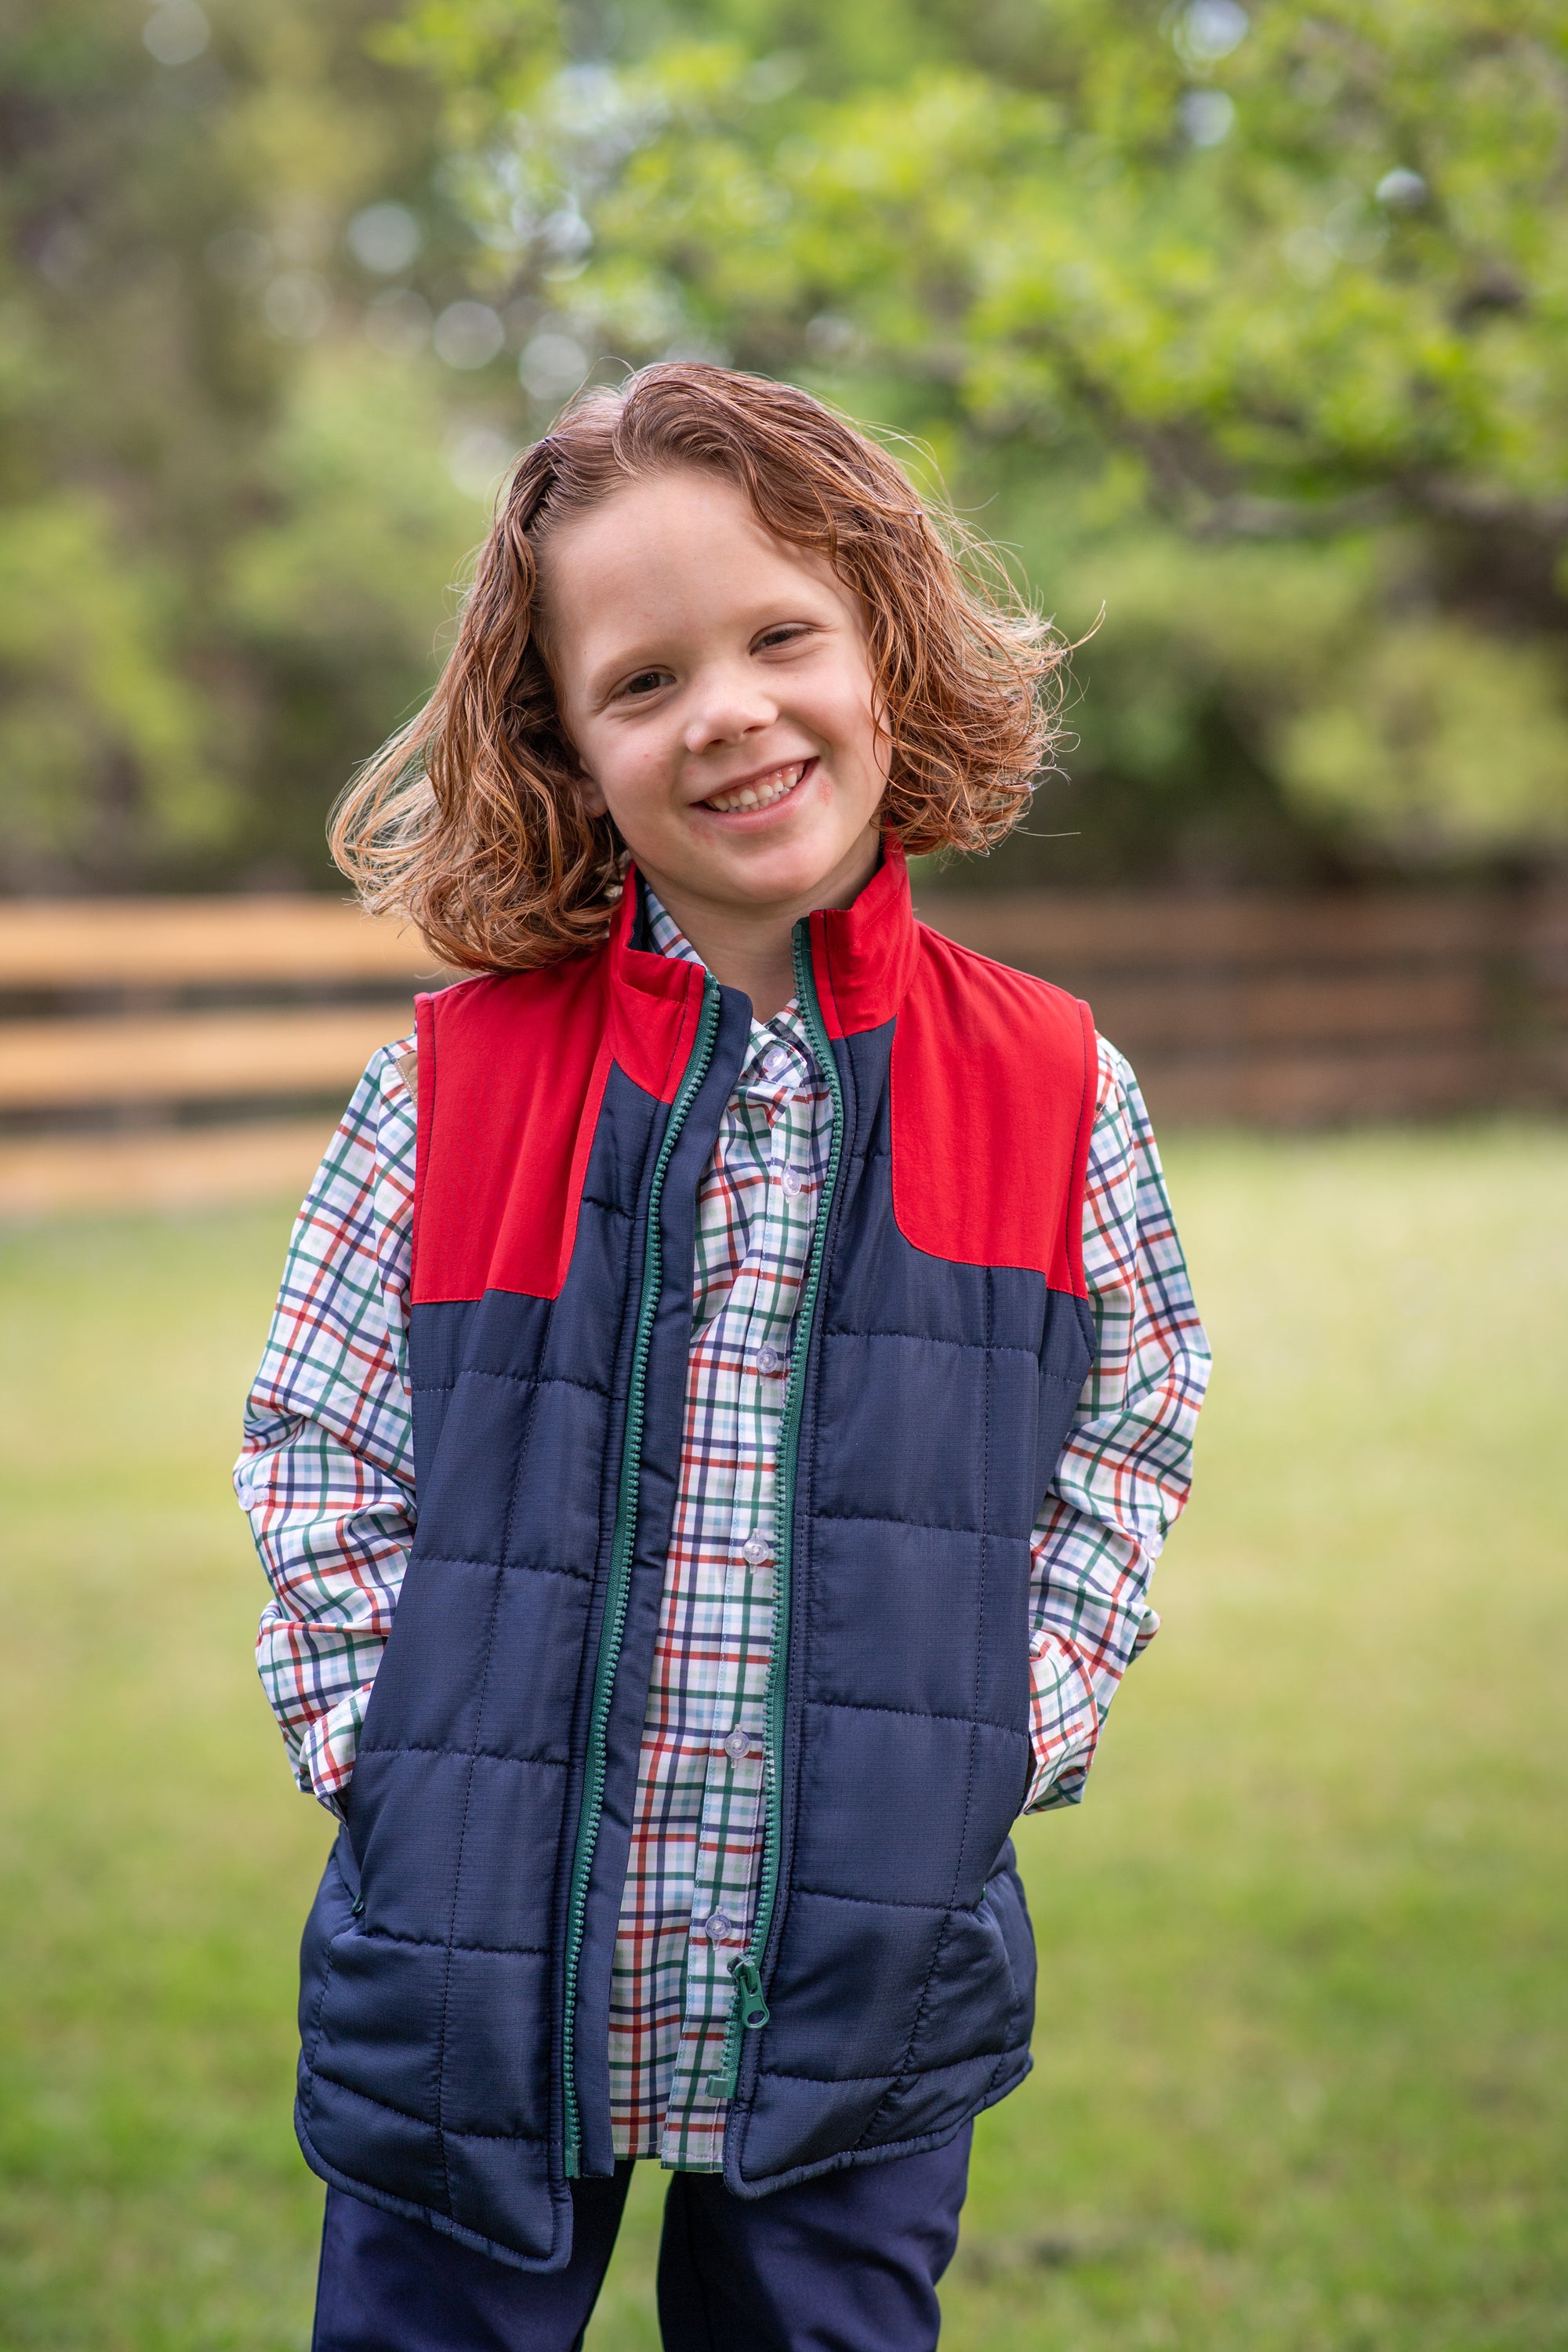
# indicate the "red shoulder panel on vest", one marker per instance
pixel 992 1086
pixel 511 1074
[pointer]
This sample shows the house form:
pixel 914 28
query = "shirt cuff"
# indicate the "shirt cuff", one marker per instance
pixel 1064 1723
pixel 327 1753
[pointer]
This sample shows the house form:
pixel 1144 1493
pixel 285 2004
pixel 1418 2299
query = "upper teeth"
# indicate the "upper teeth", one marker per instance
pixel 762 793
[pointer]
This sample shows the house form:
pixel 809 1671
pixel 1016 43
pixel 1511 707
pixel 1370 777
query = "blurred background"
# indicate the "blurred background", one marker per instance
pixel 1242 330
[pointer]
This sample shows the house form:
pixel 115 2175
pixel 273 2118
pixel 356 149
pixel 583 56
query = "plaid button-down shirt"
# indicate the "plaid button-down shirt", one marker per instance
pixel 327 1478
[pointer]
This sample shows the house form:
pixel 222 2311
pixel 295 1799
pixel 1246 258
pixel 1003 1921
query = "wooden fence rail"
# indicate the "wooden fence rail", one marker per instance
pixel 77 945
pixel 1273 1012
pixel 188 1050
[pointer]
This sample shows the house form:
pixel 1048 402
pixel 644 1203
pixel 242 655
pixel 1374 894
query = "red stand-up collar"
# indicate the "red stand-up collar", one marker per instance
pixel 654 1005
pixel 864 956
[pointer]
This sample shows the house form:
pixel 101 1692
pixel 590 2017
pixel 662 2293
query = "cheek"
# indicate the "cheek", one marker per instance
pixel 626 775
pixel 846 715
pixel 871 745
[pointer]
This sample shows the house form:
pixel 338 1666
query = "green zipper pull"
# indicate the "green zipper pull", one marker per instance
pixel 750 2012
pixel 749 1985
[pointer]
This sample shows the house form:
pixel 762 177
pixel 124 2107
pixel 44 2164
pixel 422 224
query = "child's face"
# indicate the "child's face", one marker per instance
pixel 716 684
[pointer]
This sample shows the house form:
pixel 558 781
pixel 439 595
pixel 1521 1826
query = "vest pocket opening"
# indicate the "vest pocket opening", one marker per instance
pixel 1004 1898
pixel 347 1867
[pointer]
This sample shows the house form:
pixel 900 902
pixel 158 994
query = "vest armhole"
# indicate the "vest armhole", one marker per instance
pixel 1088 1109
pixel 424 1060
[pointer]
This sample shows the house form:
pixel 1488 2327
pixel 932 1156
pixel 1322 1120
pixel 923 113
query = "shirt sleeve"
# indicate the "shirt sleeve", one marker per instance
pixel 1126 1470
pixel 326 1476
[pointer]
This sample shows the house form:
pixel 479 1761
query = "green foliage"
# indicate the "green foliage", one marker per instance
pixel 1245 332
pixel 86 634
pixel 337 594
pixel 226 516
pixel 1434 732
pixel 1299 2072
pixel 1158 288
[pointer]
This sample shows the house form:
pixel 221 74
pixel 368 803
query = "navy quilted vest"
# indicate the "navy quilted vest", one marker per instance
pixel 454 2001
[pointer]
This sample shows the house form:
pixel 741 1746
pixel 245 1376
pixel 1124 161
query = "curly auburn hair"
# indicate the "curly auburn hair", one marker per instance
pixel 470 820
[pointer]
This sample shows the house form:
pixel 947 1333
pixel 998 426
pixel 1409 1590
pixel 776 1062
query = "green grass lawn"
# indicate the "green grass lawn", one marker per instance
pixel 1301 2079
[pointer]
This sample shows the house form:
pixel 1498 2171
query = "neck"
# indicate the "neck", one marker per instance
pixel 749 946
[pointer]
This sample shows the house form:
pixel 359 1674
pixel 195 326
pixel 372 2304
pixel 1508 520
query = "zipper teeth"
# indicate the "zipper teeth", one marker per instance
pixel 773 1833
pixel 620 1559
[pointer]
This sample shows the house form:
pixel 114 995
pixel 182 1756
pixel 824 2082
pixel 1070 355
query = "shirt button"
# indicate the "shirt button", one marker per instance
pixel 738 1746
pixel 775 1062
pixel 768 1360
pixel 755 1551
pixel 716 1926
pixel 791 1182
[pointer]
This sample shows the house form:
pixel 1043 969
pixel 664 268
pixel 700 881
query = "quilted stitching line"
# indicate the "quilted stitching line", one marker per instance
pixel 444 1748
pixel 515 2140
pixel 916 1714
pixel 435 1944
pixel 457 1883
pixel 906 2068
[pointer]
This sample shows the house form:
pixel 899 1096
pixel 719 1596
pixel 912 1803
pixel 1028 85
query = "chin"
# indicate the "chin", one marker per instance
pixel 778 871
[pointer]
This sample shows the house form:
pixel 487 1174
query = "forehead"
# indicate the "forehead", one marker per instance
pixel 678 550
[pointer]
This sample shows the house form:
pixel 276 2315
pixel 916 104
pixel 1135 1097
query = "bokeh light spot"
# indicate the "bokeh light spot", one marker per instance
pixel 467 335
pixel 176 32
pixel 551 366
pixel 297 305
pixel 1206 116
pixel 1401 190
pixel 385 238
pixel 1209 30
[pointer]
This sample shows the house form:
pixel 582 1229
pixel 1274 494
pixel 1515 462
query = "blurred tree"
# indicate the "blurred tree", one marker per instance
pixel 1247 326
pixel 228 514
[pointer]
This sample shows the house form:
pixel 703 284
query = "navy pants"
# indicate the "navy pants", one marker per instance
pixel 846 2263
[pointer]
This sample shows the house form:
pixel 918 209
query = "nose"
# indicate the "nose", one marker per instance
pixel 728 704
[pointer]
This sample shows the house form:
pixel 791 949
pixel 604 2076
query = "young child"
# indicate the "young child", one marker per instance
pixel 732 1378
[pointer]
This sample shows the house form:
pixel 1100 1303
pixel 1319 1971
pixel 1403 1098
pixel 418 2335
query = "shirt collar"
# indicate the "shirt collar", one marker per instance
pixel 667 934
pixel 863 960
pixel 785 1031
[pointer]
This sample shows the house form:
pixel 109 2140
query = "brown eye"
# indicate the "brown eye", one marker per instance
pixel 646 681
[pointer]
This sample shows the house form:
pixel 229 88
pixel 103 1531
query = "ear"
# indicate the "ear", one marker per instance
pixel 588 793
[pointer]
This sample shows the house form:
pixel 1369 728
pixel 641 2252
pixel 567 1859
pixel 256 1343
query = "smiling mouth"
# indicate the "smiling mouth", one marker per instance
pixel 761 792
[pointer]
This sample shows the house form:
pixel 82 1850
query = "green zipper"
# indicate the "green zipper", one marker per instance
pixel 749 2012
pixel 621 1550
